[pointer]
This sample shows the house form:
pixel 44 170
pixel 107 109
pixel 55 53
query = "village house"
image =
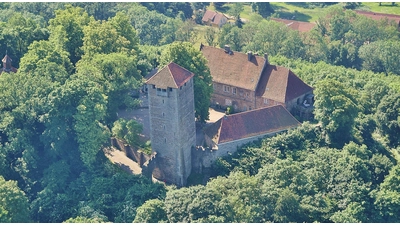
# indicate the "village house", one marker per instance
pixel 214 19
pixel 296 25
pixel 248 81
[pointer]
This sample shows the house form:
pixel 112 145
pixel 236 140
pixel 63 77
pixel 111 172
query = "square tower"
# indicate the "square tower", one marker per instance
pixel 172 122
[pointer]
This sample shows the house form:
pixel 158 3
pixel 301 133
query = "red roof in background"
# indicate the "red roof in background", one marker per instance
pixel 379 16
pixel 251 123
pixel 214 17
pixel 280 84
pixel 172 75
pixel 233 69
pixel 296 25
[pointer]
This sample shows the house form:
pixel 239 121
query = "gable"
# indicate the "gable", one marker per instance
pixel 280 84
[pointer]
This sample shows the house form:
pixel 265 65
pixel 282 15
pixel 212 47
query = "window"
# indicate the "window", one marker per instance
pixel 163 114
pixel 158 89
pixel 180 87
pixel 154 86
pixel 185 84
pixel 247 94
pixel 265 101
pixel 165 140
pixel 170 89
pixel 163 101
pixel 227 88
pixel 164 90
pixel 234 91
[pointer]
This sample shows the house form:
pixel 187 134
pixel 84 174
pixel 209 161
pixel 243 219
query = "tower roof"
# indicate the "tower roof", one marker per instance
pixel 172 75
pixel 6 59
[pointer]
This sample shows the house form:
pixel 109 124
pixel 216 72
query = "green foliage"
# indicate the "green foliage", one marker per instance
pixel 113 36
pixel 388 117
pixel 185 55
pixel 81 219
pixel 67 30
pixel 14 207
pixel 115 73
pixel 45 53
pixel 336 108
pixel 152 211
pixel 128 130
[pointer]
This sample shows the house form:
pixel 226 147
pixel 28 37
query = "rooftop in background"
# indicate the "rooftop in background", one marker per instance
pixel 296 25
pixel 171 76
pixel 251 123
pixel 379 16
pixel 213 17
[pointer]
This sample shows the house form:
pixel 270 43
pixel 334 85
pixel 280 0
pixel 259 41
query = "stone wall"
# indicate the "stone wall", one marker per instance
pixel 203 158
pixel 131 152
pixel 240 99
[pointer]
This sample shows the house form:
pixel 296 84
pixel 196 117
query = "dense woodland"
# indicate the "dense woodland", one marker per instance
pixel 77 63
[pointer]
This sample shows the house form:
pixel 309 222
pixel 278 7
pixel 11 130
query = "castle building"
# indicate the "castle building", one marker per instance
pixel 172 122
pixel 248 81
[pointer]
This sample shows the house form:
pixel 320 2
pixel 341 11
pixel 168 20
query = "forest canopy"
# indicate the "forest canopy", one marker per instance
pixel 78 62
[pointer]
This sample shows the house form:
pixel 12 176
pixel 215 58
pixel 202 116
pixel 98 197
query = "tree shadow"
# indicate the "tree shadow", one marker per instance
pixel 294 16
pixel 221 7
pixel 304 5
pixel 387 4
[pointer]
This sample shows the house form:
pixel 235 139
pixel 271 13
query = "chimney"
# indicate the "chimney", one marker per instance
pixel 227 49
pixel 249 55
pixel 266 58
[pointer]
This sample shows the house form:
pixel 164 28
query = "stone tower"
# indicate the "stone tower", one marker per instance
pixel 172 122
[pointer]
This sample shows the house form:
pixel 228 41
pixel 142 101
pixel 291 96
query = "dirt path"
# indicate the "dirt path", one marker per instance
pixel 119 158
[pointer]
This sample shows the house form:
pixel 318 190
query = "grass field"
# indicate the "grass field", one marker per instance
pixel 386 7
pixel 299 11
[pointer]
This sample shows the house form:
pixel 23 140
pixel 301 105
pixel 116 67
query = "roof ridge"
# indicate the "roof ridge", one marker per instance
pixel 170 73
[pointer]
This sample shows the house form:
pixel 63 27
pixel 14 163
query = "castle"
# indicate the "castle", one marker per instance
pixel 260 93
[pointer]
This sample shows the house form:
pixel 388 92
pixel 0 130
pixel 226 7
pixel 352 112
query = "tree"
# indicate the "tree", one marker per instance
pixel 185 55
pixel 128 131
pixel 18 33
pixel 152 211
pixel 112 36
pixel 235 10
pixel 388 117
pixel 264 9
pixel 14 207
pixel 67 30
pixel 387 198
pixel 45 53
pixel 116 74
pixel 336 108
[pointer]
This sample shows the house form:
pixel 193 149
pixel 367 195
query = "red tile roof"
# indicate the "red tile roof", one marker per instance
pixel 296 25
pixel 172 75
pixel 251 123
pixel 212 16
pixel 379 16
pixel 233 69
pixel 280 84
